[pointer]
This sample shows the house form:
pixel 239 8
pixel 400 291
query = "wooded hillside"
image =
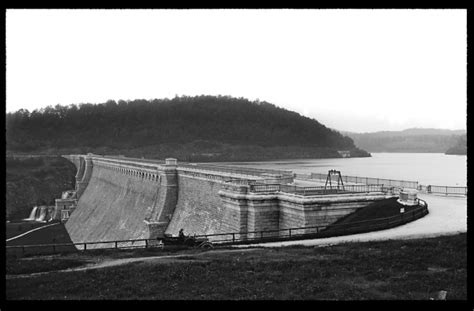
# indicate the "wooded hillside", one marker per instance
pixel 191 128
pixel 460 146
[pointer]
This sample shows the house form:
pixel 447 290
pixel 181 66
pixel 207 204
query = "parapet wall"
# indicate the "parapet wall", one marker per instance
pixel 123 198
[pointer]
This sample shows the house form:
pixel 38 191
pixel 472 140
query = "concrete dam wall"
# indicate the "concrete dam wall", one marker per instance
pixel 112 207
pixel 199 209
pixel 124 198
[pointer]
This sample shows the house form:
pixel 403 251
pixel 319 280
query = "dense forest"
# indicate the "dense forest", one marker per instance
pixel 410 140
pixel 460 147
pixel 200 128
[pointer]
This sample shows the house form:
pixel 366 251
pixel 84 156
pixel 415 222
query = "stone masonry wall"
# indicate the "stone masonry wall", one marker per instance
pixel 199 209
pixel 263 215
pixel 112 207
pixel 323 211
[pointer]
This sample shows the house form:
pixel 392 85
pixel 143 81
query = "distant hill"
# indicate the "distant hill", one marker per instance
pixel 460 148
pixel 200 128
pixel 409 140
pixel 426 131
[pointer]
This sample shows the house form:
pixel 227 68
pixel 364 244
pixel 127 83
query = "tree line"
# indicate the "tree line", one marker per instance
pixel 125 125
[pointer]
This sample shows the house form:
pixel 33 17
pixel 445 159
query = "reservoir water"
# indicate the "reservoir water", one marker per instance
pixel 426 168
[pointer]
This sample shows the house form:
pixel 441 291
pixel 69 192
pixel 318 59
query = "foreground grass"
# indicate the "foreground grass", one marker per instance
pixel 29 265
pixel 412 269
pixel 19 265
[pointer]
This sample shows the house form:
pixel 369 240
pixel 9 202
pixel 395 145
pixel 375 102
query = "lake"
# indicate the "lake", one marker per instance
pixel 426 168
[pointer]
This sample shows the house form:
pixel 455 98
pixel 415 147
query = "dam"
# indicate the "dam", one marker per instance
pixel 119 198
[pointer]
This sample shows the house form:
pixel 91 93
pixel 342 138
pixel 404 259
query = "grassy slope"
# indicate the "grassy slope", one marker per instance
pixel 53 234
pixel 360 220
pixel 17 228
pixel 380 209
pixel 412 269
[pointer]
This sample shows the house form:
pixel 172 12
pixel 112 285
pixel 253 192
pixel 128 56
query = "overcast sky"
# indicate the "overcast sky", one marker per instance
pixel 352 70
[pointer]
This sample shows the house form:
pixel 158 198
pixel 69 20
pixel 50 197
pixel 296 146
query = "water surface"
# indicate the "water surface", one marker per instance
pixel 426 168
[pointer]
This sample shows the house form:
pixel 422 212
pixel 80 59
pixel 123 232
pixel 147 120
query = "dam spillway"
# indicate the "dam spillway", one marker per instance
pixel 121 198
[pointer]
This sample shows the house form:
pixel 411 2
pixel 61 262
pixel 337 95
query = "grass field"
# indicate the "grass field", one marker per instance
pixel 405 269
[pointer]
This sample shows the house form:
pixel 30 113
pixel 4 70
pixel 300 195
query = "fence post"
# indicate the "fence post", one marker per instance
pixel 116 245
pixel 85 246
pixel 146 243
pixel 233 237
pixel 261 234
pixel 289 233
pixel 446 190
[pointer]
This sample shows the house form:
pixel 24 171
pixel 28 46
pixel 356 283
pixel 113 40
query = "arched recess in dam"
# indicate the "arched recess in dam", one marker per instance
pixel 124 198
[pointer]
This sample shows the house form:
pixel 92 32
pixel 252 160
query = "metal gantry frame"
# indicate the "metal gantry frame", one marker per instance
pixel 329 177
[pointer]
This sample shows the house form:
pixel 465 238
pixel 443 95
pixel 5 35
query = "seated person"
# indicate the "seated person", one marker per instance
pixel 181 235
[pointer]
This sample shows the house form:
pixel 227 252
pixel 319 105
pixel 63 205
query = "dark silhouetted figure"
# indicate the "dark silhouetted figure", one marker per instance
pixel 181 235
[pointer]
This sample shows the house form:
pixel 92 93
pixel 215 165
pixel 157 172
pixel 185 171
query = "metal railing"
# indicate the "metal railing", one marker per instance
pixel 84 246
pixel 233 238
pixel 368 180
pixel 235 170
pixel 446 190
pixel 318 190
